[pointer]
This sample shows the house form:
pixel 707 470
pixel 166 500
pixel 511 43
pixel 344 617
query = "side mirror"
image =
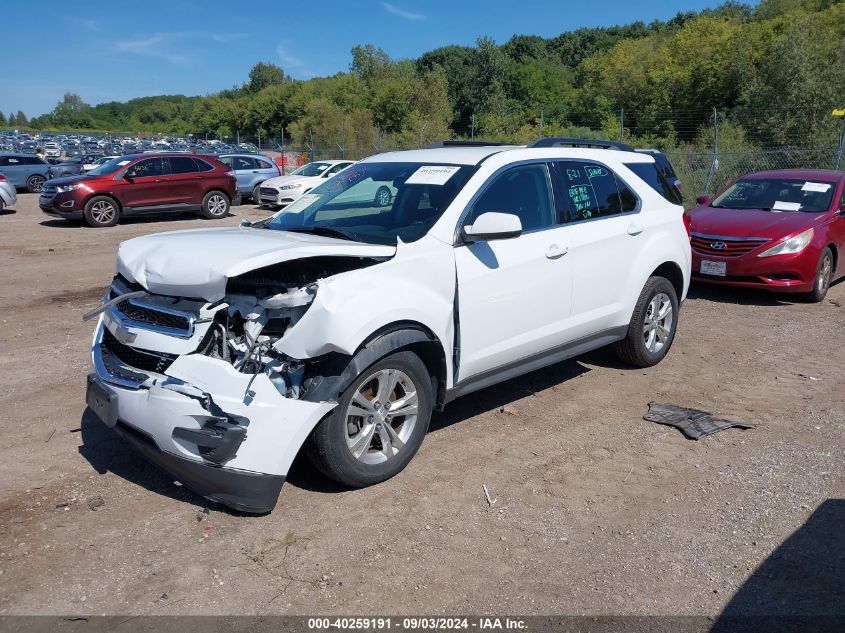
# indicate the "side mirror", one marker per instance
pixel 704 199
pixel 492 226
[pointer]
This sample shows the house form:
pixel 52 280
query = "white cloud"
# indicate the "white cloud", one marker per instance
pixel 402 13
pixel 287 57
pixel 156 45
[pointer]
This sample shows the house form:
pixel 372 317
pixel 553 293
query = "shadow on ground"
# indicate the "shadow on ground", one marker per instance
pixel 801 586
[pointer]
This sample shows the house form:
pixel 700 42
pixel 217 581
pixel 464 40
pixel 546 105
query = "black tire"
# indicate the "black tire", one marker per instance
pixel 35 183
pixel 635 349
pixel 383 197
pixel 824 275
pixel 255 197
pixel 101 211
pixel 328 449
pixel 215 205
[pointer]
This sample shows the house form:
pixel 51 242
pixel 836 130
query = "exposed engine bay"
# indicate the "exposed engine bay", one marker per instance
pixel 245 328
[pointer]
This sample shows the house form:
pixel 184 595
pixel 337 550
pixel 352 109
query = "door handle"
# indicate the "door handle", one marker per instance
pixel 554 251
pixel 635 229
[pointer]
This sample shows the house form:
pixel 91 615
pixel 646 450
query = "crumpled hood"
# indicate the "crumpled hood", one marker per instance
pixel 197 263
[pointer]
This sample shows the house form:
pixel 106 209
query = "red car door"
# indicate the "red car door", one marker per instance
pixel 837 231
pixel 184 181
pixel 144 184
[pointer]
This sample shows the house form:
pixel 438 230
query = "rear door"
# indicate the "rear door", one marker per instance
pixel 184 182
pixel 14 169
pixel 605 229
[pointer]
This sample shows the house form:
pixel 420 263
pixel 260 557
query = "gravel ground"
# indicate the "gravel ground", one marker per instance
pixel 595 511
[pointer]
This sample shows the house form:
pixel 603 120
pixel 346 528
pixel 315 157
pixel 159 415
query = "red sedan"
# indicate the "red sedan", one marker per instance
pixel 777 230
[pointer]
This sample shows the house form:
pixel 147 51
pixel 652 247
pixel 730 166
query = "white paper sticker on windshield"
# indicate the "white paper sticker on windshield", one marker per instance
pixel 298 205
pixel 124 162
pixel 432 175
pixel 780 205
pixel 816 186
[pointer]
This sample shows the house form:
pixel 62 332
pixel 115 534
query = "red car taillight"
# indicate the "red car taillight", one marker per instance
pixel 2 177
pixel 230 173
pixel 688 223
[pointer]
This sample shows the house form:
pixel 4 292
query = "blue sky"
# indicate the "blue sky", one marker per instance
pixel 108 51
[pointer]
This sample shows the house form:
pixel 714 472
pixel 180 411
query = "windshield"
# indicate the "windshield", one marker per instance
pixel 109 167
pixel 311 169
pixel 777 194
pixel 376 202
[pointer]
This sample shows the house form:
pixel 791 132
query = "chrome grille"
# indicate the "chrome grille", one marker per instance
pixel 724 246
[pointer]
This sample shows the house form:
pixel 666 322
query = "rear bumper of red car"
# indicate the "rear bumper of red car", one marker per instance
pixel 778 273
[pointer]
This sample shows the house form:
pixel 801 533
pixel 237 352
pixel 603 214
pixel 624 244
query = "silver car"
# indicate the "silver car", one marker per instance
pixel 25 171
pixel 8 196
pixel 250 171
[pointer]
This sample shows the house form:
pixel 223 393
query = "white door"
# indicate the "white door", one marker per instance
pixel 605 231
pixel 513 294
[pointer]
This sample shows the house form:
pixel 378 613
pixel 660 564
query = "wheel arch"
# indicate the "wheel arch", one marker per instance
pixel 390 338
pixel 217 190
pixel 835 254
pixel 671 271
pixel 110 196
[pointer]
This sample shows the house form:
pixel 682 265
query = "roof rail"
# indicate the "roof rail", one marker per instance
pixel 462 143
pixel 581 142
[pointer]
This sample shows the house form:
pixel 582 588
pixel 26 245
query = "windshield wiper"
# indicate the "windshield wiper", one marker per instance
pixel 328 231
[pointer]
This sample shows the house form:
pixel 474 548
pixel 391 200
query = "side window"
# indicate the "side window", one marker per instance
pixel 629 198
pixel 201 165
pixel 182 165
pixel 591 191
pixel 654 179
pixel 4 161
pixel 147 168
pixel 227 160
pixel 241 162
pixel 334 169
pixel 14 161
pixel 523 191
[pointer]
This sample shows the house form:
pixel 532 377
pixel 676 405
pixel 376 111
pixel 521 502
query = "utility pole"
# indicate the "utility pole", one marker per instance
pixel 837 161
pixel 541 123
pixel 422 129
pixel 472 127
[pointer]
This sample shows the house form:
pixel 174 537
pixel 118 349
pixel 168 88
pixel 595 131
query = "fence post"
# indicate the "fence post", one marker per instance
pixel 839 148
pixel 621 125
pixel 283 151
pixel 541 123
pixel 714 165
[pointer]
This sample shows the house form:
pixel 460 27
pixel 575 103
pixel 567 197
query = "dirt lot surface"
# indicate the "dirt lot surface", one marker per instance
pixel 595 511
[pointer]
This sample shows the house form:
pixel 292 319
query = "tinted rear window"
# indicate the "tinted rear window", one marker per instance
pixel 202 165
pixel 648 172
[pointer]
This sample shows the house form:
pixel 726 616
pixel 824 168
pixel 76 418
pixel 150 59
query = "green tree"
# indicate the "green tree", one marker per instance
pixel 20 119
pixel 264 74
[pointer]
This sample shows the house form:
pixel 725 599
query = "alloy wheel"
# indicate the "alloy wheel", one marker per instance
pixel 657 325
pixel 36 184
pixel 102 211
pixel 825 274
pixel 216 205
pixel 381 416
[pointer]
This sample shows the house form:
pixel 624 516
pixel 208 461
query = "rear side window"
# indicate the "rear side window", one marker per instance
pixel 654 179
pixel 201 165
pixel 182 165
pixel 591 191
pixel 242 162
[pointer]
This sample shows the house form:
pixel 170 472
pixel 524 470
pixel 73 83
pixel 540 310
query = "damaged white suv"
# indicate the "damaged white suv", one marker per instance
pixel 340 324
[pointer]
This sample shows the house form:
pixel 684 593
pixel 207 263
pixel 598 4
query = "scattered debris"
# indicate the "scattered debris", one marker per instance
pixel 163 597
pixel 49 436
pixel 509 410
pixel 490 501
pixel 834 302
pixel 691 422
pixel 630 472
pixel 808 377
pixel 64 504
pixel 95 502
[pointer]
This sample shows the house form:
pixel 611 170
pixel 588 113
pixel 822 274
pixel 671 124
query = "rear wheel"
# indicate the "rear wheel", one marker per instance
pixel 35 183
pixel 379 423
pixel 653 325
pixel 215 205
pixel 824 275
pixel 101 211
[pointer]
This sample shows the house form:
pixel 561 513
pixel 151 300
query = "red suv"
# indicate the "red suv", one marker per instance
pixel 142 184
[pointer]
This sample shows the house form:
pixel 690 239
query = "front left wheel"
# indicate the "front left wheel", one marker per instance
pixel 824 275
pixel 379 423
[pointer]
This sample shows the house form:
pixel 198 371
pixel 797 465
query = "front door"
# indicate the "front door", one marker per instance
pixel 513 294
pixel 145 185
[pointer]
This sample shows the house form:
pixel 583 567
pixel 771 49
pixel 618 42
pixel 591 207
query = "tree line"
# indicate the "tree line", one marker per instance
pixel 773 72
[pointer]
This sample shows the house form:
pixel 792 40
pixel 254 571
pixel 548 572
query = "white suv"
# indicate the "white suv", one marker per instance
pixel 341 324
